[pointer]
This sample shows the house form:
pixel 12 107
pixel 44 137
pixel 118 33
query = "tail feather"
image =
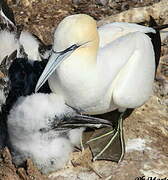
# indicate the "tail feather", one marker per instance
pixel 159 28
pixel 156 40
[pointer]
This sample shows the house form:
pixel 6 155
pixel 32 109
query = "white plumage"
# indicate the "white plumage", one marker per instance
pixel 113 31
pixel 27 122
pixel 105 69
pixel 31 45
pixel 9 44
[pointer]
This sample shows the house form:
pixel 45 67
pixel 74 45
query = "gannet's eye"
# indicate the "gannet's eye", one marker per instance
pixel 77 45
pixel 71 48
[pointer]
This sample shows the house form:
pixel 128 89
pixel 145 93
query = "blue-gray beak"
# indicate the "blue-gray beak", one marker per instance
pixel 55 60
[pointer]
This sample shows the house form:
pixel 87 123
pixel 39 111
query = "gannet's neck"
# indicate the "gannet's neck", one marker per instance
pixel 84 56
pixel 81 66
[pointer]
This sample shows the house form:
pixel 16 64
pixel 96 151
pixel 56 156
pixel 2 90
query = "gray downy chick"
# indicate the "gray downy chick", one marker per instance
pixel 42 127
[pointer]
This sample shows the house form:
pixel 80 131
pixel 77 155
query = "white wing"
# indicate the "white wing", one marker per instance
pixel 112 31
pixel 129 65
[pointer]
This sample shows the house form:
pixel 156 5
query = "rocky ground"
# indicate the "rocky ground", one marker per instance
pixel 146 130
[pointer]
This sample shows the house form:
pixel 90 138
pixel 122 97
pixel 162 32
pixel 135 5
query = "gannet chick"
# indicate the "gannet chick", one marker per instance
pixel 104 69
pixel 39 127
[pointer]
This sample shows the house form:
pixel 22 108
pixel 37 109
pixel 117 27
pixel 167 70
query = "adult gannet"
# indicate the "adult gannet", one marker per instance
pixel 100 70
pixel 46 134
pixel 100 77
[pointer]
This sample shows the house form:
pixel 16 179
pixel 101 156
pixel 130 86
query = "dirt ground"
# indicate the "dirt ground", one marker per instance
pixel 148 125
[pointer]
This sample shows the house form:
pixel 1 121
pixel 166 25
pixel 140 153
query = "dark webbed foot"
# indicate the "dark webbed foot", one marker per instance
pixel 108 143
pixel 111 143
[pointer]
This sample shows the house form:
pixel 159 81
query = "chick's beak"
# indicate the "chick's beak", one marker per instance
pixel 83 121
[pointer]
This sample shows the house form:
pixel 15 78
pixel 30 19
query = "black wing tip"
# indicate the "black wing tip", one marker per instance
pixel 152 22
pixel 156 40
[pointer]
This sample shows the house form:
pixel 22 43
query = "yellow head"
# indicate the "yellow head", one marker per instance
pixel 76 42
pixel 76 29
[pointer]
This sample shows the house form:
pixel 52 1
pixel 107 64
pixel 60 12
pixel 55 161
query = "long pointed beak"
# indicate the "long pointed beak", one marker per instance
pixel 54 61
pixel 82 121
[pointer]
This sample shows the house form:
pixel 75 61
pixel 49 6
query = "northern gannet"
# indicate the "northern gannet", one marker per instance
pixel 101 69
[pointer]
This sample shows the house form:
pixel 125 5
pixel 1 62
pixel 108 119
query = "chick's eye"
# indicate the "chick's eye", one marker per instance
pixel 43 130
